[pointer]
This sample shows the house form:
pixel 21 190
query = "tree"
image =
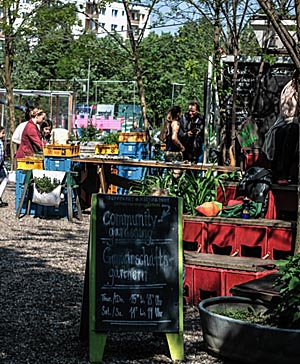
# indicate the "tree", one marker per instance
pixel 183 79
pixel 132 49
pixel 12 28
pixel 229 20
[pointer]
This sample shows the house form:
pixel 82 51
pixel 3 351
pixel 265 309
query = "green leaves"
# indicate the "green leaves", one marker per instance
pixel 45 185
pixel 195 188
pixel 287 313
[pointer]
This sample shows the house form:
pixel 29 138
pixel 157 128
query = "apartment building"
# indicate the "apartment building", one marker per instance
pixel 112 18
pixel 103 21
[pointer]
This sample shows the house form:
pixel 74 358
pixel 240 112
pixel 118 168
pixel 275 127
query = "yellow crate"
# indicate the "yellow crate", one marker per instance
pixel 61 150
pixel 132 137
pixel 106 149
pixel 30 163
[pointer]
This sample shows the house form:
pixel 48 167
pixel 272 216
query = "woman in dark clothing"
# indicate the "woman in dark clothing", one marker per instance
pixel 174 146
pixel 46 128
pixel 282 140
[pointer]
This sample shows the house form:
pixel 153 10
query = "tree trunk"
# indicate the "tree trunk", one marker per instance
pixel 281 30
pixel 137 64
pixel 234 99
pixel 10 95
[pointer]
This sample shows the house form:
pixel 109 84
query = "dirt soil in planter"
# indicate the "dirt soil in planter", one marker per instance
pixel 42 266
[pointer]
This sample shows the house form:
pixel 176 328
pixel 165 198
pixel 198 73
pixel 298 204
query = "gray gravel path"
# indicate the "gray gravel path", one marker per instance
pixel 42 264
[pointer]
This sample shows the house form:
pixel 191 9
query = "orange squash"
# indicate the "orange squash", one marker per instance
pixel 209 208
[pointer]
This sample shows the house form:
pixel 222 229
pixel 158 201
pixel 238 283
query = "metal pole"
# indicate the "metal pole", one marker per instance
pixel 133 99
pixel 173 89
pixel 88 84
pixel 172 94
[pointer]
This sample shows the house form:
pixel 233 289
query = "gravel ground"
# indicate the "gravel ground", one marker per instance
pixel 42 265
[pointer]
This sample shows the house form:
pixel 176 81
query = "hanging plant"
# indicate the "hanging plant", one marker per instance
pixel 46 184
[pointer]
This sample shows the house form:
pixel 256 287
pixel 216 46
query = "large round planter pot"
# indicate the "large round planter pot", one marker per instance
pixel 244 341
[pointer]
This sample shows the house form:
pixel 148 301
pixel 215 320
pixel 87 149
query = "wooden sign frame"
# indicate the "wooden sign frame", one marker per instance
pixel 125 232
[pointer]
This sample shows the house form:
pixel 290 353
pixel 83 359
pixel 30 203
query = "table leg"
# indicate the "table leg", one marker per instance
pixel 103 185
pixel 26 185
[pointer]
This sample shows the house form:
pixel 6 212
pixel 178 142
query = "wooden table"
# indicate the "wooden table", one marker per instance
pixel 105 164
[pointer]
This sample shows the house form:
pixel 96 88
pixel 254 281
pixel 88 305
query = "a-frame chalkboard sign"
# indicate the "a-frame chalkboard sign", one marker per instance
pixel 135 269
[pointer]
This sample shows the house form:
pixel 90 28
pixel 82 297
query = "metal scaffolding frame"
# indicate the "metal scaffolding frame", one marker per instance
pixel 52 95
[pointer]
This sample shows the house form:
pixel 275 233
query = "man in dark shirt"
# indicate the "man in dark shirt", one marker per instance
pixel 193 126
pixel 135 127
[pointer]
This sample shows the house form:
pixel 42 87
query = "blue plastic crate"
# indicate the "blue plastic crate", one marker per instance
pixel 20 176
pixel 134 173
pixel 62 209
pixel 134 150
pixel 35 209
pixel 58 164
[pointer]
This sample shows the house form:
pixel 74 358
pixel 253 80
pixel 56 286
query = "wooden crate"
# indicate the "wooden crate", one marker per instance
pixel 106 149
pixel 132 137
pixel 62 150
pixel 30 163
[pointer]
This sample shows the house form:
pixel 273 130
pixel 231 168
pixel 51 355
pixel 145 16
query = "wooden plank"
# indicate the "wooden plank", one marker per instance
pixel 261 288
pixel 240 221
pixel 228 262
pixel 155 164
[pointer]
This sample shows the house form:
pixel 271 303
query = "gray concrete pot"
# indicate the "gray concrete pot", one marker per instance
pixel 243 341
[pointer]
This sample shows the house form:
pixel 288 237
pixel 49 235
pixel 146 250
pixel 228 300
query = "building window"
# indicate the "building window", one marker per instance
pixel 93 10
pixel 122 28
pixel 114 13
pixel 134 16
pixel 93 25
pixel 102 25
pixel 123 12
pixel 102 11
pixel 114 27
pixel 136 30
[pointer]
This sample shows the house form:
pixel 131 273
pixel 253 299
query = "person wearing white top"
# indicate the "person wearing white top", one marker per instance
pixel 17 135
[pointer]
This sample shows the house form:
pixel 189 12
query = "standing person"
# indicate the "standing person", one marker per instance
pixel 17 135
pixel 3 171
pixel 46 129
pixel 135 127
pixel 174 134
pixel 193 126
pixel 31 141
pixel 282 140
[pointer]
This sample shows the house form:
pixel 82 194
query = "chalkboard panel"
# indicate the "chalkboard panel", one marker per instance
pixel 137 271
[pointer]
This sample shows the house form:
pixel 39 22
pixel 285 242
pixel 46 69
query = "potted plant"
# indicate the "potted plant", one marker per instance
pixel 243 329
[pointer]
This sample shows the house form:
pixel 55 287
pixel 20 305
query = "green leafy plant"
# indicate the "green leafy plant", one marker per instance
pixel 194 188
pixel 45 184
pixel 287 313
pixel 249 315
pixel 110 138
pixel 89 134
